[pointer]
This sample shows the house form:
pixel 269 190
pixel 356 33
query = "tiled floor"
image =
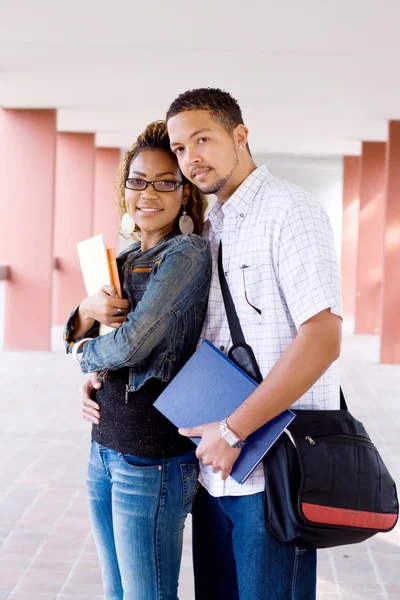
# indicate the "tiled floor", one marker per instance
pixel 46 549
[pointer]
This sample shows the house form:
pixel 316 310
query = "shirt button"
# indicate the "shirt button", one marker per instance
pixel 226 273
pixel 241 215
pixel 222 348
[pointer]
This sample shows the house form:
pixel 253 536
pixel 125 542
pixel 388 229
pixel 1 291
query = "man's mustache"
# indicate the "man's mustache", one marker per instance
pixel 194 172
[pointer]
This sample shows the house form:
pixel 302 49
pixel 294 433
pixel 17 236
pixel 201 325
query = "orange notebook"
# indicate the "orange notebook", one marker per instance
pixel 112 263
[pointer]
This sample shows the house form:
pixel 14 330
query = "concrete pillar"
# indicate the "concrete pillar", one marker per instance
pixel 370 238
pixel 27 159
pixel 105 210
pixel 390 321
pixel 351 204
pixel 73 217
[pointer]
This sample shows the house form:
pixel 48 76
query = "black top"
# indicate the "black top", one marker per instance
pixel 129 422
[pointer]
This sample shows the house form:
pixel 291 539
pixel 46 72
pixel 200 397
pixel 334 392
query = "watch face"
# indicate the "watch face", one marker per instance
pixel 230 438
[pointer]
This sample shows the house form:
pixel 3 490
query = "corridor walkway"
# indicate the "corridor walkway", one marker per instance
pixel 46 549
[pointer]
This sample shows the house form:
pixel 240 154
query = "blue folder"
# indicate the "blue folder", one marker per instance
pixel 209 388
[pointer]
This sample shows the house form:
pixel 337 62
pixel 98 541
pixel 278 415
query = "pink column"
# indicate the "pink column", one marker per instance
pixel 351 202
pixel 370 238
pixel 27 157
pixel 73 217
pixel 105 210
pixel 390 322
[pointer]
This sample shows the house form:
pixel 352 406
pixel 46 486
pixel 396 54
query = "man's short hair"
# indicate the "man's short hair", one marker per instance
pixel 218 103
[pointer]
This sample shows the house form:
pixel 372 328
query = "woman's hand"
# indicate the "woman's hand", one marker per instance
pixel 105 307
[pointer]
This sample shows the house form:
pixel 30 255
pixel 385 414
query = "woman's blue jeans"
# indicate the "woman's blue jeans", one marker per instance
pixel 138 507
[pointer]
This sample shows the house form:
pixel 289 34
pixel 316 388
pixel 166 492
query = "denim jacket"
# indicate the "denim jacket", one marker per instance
pixel 167 287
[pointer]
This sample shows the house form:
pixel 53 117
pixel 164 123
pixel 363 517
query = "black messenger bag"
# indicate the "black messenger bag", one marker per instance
pixel 325 482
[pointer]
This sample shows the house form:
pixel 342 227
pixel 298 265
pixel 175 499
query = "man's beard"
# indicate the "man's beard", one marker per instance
pixel 220 183
pixel 215 187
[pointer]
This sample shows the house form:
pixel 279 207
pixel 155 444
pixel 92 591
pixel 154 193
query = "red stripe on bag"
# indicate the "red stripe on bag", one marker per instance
pixel 329 515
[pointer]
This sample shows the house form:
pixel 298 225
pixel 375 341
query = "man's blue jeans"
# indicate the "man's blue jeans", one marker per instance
pixel 138 508
pixel 235 558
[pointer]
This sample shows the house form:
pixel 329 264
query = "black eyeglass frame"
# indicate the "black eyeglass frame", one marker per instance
pixel 243 267
pixel 177 184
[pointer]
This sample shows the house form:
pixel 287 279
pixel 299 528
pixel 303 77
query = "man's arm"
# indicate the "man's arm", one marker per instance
pixel 315 348
pixel 90 408
pixel 311 353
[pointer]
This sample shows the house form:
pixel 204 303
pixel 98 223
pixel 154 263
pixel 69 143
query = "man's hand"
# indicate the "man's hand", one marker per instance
pixel 212 449
pixel 90 409
pixel 105 307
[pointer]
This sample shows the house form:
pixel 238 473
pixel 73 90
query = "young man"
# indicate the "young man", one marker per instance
pixel 280 263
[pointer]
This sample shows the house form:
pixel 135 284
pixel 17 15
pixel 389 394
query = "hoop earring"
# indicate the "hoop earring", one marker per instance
pixel 186 224
pixel 127 224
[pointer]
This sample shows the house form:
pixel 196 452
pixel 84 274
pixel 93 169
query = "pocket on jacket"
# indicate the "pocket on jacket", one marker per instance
pixel 139 276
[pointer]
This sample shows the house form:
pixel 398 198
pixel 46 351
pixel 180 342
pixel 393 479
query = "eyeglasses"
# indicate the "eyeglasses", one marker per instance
pixel 243 267
pixel 162 185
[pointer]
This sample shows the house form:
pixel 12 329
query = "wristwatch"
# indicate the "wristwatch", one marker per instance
pixel 229 437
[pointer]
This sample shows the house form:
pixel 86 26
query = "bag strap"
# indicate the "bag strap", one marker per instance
pixel 343 403
pixel 233 320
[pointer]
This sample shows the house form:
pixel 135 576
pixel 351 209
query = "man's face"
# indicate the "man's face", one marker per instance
pixel 205 150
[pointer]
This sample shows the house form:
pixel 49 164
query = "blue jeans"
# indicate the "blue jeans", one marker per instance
pixel 138 508
pixel 236 558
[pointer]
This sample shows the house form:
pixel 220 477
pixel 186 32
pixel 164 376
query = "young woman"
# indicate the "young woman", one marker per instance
pixel 142 475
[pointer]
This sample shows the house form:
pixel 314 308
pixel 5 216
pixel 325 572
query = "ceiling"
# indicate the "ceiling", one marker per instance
pixel 312 78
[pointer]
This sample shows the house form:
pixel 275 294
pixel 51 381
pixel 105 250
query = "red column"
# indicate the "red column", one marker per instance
pixel 27 156
pixel 73 217
pixel 105 210
pixel 370 238
pixel 351 203
pixel 390 322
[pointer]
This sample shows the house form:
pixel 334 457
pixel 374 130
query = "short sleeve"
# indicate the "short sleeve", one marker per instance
pixel 308 270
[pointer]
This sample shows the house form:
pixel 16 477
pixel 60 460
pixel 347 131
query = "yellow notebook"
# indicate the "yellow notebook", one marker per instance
pixel 98 268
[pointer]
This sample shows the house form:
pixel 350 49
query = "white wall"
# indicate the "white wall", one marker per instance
pixel 323 177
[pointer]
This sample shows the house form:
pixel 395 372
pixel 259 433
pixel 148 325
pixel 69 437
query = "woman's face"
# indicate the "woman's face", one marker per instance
pixel 154 211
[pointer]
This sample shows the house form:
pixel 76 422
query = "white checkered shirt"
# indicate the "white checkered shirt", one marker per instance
pixel 278 247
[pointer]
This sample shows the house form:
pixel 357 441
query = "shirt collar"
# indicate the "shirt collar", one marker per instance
pixel 242 199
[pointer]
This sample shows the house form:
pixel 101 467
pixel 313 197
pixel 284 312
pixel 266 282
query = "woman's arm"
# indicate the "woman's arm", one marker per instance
pixel 100 307
pixel 182 280
pixel 93 310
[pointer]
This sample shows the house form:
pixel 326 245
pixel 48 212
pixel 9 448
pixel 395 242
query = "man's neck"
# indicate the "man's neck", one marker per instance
pixel 240 175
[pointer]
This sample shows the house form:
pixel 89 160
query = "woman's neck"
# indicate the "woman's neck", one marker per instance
pixel 150 239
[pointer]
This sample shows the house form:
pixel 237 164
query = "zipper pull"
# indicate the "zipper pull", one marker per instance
pixel 310 440
pixel 126 393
